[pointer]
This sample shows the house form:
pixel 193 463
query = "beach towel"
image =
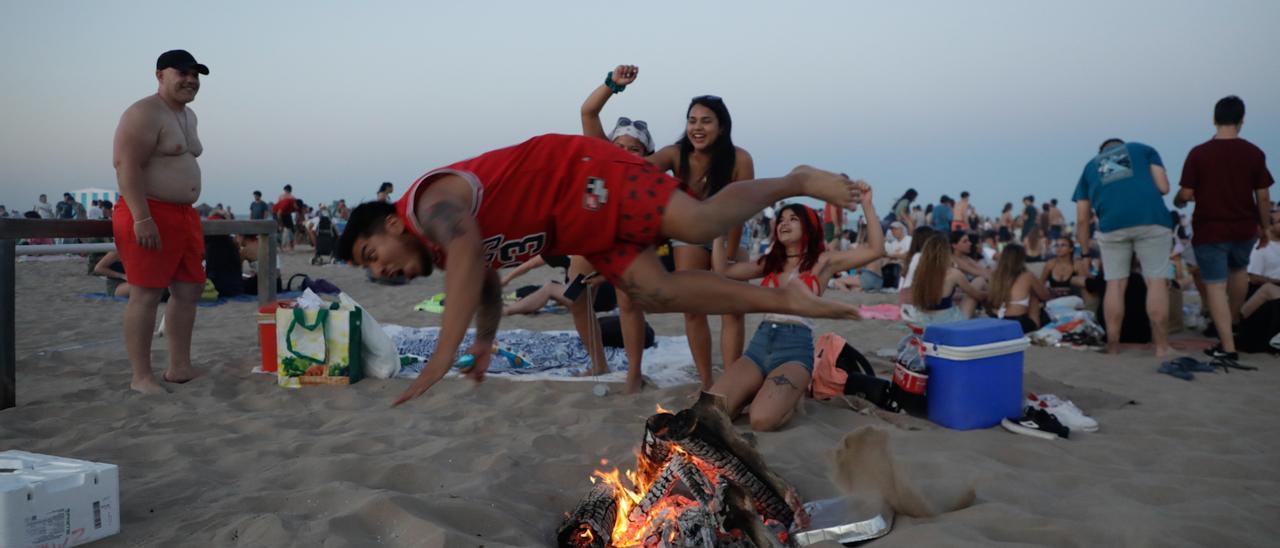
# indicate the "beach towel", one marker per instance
pixel 555 355
pixel 889 312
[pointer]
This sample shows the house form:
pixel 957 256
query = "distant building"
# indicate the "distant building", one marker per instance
pixel 86 196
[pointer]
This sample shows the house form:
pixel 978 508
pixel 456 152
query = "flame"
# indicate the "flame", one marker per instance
pixel 585 536
pixel 628 533
pixel 662 409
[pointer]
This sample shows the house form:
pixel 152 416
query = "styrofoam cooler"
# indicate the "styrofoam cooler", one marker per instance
pixel 975 372
pixel 55 501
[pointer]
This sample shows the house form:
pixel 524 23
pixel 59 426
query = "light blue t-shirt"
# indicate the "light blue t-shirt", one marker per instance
pixel 942 218
pixel 1118 184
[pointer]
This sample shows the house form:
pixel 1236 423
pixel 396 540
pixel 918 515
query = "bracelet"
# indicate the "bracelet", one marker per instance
pixel 613 86
pixel 141 221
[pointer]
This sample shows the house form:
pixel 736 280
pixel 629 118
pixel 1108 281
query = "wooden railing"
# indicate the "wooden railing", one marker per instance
pixel 12 230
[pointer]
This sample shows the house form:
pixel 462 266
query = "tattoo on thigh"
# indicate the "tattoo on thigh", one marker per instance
pixel 782 380
pixel 648 299
pixel 444 222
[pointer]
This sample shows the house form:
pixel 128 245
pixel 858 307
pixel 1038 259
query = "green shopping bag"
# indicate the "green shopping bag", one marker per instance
pixel 318 347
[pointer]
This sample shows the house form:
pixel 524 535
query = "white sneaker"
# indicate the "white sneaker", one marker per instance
pixel 1064 410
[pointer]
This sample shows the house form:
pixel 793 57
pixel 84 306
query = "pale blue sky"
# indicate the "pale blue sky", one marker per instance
pixel 998 98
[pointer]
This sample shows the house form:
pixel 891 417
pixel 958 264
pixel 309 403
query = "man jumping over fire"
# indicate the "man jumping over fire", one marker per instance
pixel 569 195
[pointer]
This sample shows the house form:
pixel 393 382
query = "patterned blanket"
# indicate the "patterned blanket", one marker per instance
pixel 558 355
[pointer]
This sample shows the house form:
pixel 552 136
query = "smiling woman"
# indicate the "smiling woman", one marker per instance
pixel 706 161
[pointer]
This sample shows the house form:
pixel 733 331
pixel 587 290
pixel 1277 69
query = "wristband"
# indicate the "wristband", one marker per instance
pixel 141 221
pixel 613 86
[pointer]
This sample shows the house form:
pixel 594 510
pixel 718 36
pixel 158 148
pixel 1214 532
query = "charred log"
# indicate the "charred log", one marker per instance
pixel 693 478
pixel 706 432
pixel 590 525
pixel 736 515
pixel 656 447
pixel 658 490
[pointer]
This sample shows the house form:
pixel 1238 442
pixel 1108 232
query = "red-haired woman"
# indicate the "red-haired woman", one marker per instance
pixel 775 370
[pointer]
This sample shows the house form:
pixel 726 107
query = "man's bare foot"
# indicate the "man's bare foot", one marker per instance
pixel 182 375
pixel 802 302
pixel 826 186
pixel 1162 352
pixel 1112 348
pixel 147 385
pixel 633 387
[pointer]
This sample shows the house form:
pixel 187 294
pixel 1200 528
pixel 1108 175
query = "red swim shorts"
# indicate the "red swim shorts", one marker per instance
pixel 181 254
pixel 645 193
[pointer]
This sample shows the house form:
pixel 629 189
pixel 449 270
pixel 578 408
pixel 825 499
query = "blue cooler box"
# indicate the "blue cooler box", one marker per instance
pixel 975 372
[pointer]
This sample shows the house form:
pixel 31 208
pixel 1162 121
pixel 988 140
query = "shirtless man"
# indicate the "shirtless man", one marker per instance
pixel 1057 221
pixel 157 232
pixel 569 195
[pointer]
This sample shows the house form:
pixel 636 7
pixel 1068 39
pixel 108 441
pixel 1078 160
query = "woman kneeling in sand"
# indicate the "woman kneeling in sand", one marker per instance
pixel 778 363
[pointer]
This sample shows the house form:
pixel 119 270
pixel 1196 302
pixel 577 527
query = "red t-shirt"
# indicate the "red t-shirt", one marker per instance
pixel 285 205
pixel 1224 174
pixel 547 195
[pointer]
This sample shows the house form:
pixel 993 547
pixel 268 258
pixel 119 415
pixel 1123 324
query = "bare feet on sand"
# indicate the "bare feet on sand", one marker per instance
pixel 827 186
pixel 802 302
pixel 181 375
pixel 633 387
pixel 147 385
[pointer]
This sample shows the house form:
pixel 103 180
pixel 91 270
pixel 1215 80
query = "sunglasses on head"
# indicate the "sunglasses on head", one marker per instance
pixel 638 124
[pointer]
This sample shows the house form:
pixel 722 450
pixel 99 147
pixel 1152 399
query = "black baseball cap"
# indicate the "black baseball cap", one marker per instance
pixel 180 59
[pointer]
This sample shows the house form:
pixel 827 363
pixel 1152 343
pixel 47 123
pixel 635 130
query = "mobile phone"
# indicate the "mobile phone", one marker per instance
pixel 575 288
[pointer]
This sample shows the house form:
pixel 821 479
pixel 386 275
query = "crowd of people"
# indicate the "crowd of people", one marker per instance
pixel 700 200
pixel 959 263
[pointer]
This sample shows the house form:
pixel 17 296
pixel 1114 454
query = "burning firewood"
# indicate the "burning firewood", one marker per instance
pixel 699 484
pixel 693 479
pixel 591 523
pixel 654 447
pixel 735 512
pixel 705 432
pixel 658 490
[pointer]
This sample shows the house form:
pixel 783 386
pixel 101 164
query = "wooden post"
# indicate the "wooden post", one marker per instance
pixel 8 330
pixel 267 272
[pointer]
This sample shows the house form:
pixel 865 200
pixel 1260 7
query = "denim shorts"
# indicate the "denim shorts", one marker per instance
pixel 870 280
pixel 775 344
pixel 1218 260
pixel 1151 243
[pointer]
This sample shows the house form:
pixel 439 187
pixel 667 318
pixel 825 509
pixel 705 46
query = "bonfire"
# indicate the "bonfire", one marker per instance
pixel 696 483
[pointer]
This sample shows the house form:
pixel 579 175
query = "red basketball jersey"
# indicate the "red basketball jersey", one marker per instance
pixel 550 194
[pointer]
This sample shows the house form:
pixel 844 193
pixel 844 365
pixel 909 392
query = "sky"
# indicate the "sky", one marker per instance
pixel 999 98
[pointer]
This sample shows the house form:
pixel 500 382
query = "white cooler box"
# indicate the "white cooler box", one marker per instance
pixel 52 501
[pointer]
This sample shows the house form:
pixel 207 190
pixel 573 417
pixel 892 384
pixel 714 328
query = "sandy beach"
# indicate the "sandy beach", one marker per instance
pixel 233 460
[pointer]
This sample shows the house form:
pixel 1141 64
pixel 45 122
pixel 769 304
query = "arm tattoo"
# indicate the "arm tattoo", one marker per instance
pixel 490 313
pixel 444 222
pixel 782 380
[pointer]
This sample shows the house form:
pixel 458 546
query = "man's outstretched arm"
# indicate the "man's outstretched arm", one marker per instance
pixel 447 222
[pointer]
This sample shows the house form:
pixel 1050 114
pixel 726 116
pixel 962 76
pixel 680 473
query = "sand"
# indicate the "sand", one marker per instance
pixel 232 460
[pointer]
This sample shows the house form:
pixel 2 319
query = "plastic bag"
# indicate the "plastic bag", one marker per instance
pixel 381 360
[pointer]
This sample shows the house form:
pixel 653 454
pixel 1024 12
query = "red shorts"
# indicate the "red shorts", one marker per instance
pixel 181 254
pixel 645 192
